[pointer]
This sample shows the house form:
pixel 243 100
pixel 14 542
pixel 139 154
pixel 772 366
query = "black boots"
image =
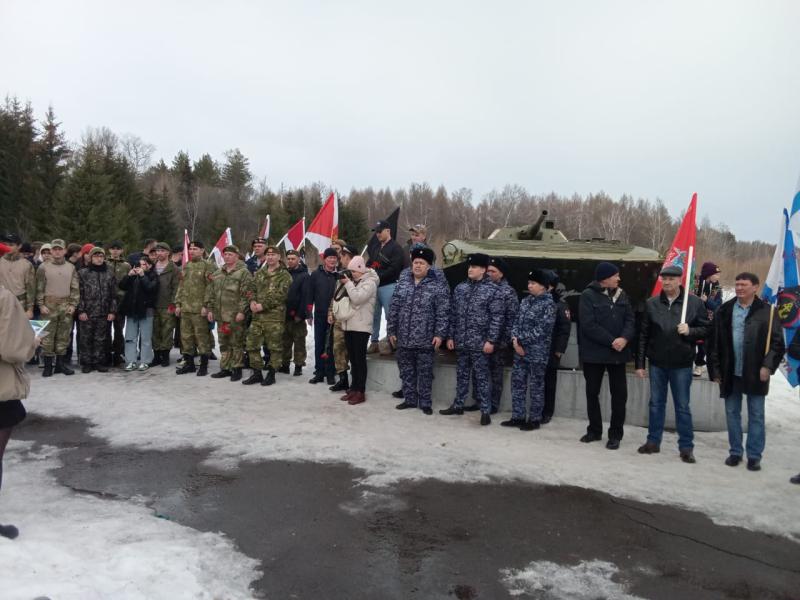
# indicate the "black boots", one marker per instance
pixel 164 358
pixel 48 367
pixel 236 375
pixel 269 378
pixel 254 378
pixel 188 365
pixel 202 371
pixel 317 378
pixel 221 373
pixel 331 379
pixel 342 384
pixel 61 366
pixel 284 369
pixel 298 370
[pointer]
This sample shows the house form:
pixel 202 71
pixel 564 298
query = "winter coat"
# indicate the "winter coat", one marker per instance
pixel 419 311
pixel 168 282
pixel 362 296
pixel 601 319
pixel 533 328
pixel 230 292
pixel 191 295
pixel 18 276
pixel 562 328
pixel 387 261
pixel 319 292
pixel 98 291
pixel 477 310
pixel 659 340
pixel 17 346
pixel 510 309
pixel 721 360
pixel 295 300
pixel 140 294
pixel 270 290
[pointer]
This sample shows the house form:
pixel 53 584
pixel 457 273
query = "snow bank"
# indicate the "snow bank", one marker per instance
pixel 76 546
pixel 588 580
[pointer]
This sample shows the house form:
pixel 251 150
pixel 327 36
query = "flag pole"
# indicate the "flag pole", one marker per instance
pixel 686 287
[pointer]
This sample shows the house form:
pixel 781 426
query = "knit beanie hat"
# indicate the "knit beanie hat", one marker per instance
pixel 605 270
pixel 707 270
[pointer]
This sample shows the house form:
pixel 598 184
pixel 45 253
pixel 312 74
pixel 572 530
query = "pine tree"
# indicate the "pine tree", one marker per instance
pixel 159 222
pixel 52 153
pixel 236 176
pixel 188 198
pixel 18 184
pixel 206 171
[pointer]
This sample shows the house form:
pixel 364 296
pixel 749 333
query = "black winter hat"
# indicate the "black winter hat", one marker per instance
pixel 500 264
pixel 553 276
pixel 116 244
pixel 478 259
pixel 425 254
pixel 605 270
pixel 11 238
pixel 329 252
pixel 540 276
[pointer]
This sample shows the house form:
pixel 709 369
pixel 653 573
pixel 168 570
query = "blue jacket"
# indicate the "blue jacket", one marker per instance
pixel 534 326
pixel 477 314
pixel 419 312
pixel 510 309
pixel 602 319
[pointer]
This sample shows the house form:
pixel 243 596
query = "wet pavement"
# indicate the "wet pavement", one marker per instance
pixel 320 534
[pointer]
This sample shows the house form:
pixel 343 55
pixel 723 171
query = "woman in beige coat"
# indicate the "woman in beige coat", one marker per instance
pixel 17 345
pixel 361 293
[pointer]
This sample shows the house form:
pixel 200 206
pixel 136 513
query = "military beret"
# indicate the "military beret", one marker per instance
pixel 540 276
pixel 425 254
pixel 272 250
pixel 478 259
pixel 177 249
pixel 163 246
pixel 231 248
pixel 500 264
pixel 258 240
pixel 292 252
pixel 671 271
pixel 197 244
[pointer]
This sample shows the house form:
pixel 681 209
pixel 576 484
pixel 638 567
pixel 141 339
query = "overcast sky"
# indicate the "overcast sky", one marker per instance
pixel 653 99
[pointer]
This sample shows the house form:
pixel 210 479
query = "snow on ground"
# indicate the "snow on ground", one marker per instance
pixel 76 546
pixel 588 580
pixel 297 421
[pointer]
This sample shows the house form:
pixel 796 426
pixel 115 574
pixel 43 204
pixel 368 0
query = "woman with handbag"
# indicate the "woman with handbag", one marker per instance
pixel 355 311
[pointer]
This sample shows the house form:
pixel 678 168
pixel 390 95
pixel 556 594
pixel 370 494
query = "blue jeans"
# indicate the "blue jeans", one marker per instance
pixel 141 331
pixel 756 432
pixel 382 302
pixel 680 382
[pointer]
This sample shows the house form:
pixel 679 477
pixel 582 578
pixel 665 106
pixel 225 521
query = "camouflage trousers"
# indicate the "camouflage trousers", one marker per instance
pixel 527 374
pixel 231 345
pixel 56 341
pixel 265 333
pixel 339 348
pixel 416 373
pixel 294 335
pixel 476 364
pixel 195 335
pixel 163 329
pixel 92 340
pixel 497 363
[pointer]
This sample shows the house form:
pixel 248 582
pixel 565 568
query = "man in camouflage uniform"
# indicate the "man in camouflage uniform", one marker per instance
pixel 477 321
pixel 17 274
pixel 96 309
pixel 119 267
pixel 190 306
pixel 295 329
pixel 164 318
pixel 271 287
pixel 340 359
pixel 228 302
pixel 498 269
pixel 531 337
pixel 57 295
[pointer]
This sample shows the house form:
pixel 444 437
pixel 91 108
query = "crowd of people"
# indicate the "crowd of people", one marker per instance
pixel 131 311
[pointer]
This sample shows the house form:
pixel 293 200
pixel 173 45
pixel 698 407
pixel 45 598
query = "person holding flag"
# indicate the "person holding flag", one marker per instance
pixel 667 339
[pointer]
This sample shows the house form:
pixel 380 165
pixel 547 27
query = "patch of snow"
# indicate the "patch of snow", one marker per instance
pixel 77 546
pixel 588 580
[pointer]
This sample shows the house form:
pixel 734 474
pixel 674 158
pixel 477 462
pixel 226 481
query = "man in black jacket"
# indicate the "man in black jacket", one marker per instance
pixel 606 328
pixel 386 257
pixel 295 331
pixel 558 346
pixel 668 342
pixel 745 347
pixel 319 292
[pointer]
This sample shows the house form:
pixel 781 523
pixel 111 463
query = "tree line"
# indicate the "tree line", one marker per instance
pixel 105 186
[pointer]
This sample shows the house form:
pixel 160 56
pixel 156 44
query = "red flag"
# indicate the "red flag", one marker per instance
pixel 679 249
pixel 226 239
pixel 325 225
pixel 185 247
pixel 265 229
pixel 294 237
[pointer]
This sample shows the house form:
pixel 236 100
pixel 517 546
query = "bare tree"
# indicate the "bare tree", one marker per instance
pixel 137 152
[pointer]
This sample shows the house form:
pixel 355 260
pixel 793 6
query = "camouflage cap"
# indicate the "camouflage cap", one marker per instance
pixel 58 244
pixel 231 248
pixel 96 250
pixel 163 246
pixel 44 247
